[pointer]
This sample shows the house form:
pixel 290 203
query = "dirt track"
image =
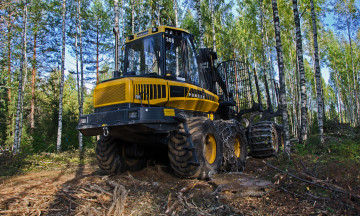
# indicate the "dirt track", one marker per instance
pixel 84 190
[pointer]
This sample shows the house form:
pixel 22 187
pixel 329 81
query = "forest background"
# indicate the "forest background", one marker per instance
pixel 49 70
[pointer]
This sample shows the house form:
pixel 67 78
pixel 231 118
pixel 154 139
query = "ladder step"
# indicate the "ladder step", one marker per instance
pixel 261 136
pixel 261 143
pixel 193 163
pixel 189 148
pixel 260 130
pixel 180 119
pixel 183 133
pixel 261 150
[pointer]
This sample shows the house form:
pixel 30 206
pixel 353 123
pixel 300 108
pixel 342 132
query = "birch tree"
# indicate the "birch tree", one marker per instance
pixel 81 73
pixel 59 134
pixel 23 67
pixel 201 28
pixel 300 61
pixel 279 52
pixel 347 18
pixel 317 74
pixel 213 24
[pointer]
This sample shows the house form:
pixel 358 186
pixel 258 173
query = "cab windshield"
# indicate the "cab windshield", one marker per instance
pixel 180 58
pixel 170 55
pixel 143 57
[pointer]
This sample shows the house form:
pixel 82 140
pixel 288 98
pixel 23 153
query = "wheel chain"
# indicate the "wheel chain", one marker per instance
pixel 227 130
pixel 261 140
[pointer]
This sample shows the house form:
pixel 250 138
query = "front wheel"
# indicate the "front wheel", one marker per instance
pixel 115 156
pixel 202 161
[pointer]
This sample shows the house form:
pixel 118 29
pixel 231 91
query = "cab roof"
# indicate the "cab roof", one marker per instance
pixel 152 31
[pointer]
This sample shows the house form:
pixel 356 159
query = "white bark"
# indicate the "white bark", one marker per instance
pixel 317 74
pixel 116 13
pixel 201 28
pixel 59 134
pixel 81 75
pixel 283 104
pixel 300 59
pixel 23 66
pixel 213 24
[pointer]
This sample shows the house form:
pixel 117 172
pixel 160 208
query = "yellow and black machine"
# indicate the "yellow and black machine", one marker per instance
pixel 169 95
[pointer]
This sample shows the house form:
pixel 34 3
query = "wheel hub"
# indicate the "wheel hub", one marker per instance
pixel 210 148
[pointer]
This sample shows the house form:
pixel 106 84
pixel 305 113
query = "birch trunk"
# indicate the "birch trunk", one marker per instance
pixel 97 51
pixel 81 74
pixel 338 95
pixel 213 24
pixel 356 94
pixel 201 29
pixel 177 50
pixel 264 63
pixel 77 62
pixel 58 141
pixel 9 61
pixel 116 12
pixel 176 14
pixel 317 74
pixel 300 59
pixel 17 134
pixel 282 92
pixel 133 17
pixel 122 33
pixel 32 112
pixel 9 78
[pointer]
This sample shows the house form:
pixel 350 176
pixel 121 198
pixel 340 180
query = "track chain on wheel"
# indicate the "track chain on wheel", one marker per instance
pixel 263 139
pixel 181 154
pixel 234 145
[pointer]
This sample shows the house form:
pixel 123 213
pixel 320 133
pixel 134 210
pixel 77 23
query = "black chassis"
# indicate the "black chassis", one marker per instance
pixel 150 125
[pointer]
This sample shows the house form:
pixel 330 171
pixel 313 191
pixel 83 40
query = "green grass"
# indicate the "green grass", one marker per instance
pixel 23 163
pixel 338 149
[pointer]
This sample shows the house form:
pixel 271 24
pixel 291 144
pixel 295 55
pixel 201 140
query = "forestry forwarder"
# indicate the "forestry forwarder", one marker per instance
pixel 171 94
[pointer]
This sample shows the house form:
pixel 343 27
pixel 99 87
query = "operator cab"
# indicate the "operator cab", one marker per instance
pixel 162 52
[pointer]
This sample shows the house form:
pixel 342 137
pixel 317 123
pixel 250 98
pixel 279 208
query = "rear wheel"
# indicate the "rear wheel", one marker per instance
pixel 207 149
pixel 235 145
pixel 115 156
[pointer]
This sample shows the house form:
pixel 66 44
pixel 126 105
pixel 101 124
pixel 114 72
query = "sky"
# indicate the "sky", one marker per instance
pixel 70 63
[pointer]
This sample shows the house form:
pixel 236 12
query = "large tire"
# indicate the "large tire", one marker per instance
pixel 234 145
pixel 208 149
pixel 264 141
pixel 110 153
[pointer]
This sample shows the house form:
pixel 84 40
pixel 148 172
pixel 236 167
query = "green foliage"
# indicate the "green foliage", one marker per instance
pixel 24 162
pixel 342 149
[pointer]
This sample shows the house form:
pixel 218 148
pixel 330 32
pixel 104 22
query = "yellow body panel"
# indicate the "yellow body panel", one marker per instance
pixel 160 92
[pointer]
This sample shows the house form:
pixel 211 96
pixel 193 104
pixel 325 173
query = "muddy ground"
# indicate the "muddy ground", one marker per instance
pixel 85 190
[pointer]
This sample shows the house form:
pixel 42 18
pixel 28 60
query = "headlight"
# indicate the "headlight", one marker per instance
pixel 133 114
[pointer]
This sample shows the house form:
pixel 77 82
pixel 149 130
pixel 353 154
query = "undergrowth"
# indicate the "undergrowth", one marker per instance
pixel 23 163
pixel 343 149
